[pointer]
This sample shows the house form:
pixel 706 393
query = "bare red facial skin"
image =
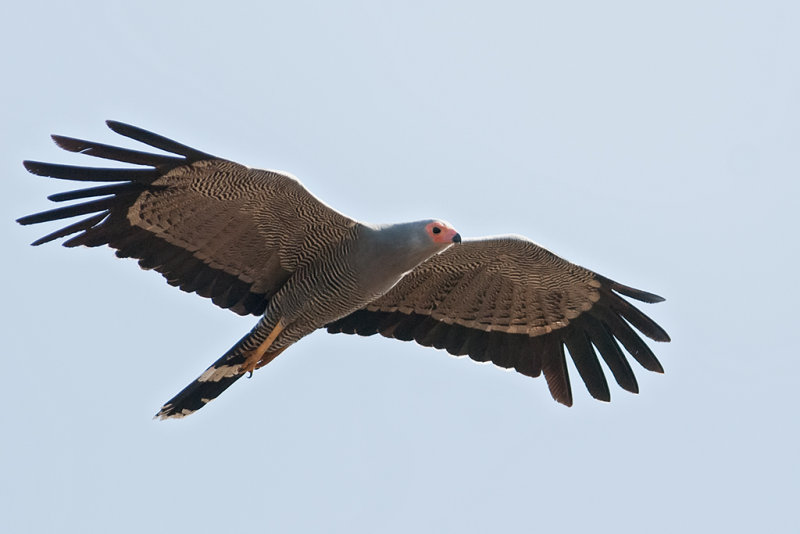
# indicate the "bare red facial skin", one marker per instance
pixel 441 232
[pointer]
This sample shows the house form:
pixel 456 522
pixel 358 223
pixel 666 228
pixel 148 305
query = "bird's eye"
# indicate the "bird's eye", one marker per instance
pixel 436 230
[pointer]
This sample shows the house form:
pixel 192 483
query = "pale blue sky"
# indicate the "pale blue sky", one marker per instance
pixel 657 145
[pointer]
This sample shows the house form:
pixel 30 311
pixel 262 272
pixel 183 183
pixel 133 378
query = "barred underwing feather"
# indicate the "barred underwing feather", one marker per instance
pixel 189 217
pixel 511 287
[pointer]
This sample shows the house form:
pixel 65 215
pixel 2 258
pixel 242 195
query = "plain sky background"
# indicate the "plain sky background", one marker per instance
pixel 656 143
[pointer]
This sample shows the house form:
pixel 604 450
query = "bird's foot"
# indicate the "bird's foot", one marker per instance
pixel 253 358
pixel 250 363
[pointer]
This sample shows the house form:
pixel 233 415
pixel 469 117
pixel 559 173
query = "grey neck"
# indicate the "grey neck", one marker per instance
pixel 385 253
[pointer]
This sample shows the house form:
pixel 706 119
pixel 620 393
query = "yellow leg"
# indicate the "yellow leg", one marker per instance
pixel 255 356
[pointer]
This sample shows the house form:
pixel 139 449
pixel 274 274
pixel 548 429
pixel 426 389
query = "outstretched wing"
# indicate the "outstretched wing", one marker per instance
pixel 210 226
pixel 511 302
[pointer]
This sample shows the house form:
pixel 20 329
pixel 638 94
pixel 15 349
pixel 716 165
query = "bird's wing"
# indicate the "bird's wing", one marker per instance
pixel 210 226
pixel 511 302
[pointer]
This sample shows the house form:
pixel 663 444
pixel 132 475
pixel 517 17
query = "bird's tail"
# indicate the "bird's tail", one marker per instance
pixel 209 385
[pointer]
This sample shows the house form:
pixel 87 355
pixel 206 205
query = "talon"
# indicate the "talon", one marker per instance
pixel 251 361
pixel 253 357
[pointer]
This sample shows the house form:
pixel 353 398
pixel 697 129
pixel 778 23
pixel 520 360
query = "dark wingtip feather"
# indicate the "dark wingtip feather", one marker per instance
pixel 71 229
pixel 90 174
pixel 35 167
pixel 157 141
pixel 103 190
pixel 554 369
pixel 628 291
pixel 119 127
pixel 637 294
pixel 566 400
pixel 625 334
pixel 69 144
pixel 66 212
pixel 585 359
pixel 634 316
pixel 611 354
pixel 100 150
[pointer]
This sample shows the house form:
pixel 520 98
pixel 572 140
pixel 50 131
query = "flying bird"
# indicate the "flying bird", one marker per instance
pixel 258 243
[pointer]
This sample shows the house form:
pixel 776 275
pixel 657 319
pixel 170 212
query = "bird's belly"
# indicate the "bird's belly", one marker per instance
pixel 303 312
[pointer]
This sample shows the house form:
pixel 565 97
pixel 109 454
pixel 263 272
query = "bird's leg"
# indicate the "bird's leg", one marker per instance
pixel 253 357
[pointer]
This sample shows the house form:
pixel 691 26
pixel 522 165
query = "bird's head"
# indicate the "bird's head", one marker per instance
pixel 400 247
pixel 441 232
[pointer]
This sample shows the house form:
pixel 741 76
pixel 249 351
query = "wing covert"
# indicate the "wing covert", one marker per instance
pixel 209 225
pixel 512 302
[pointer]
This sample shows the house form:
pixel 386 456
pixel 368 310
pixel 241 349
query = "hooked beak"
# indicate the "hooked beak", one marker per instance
pixel 457 238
